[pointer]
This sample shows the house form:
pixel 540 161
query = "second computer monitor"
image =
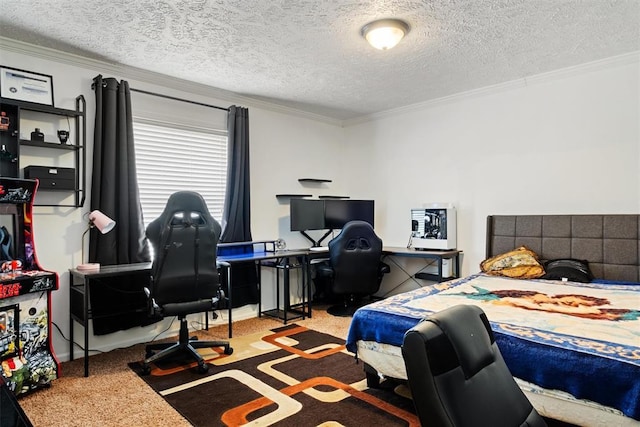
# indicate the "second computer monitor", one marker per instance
pixel 338 212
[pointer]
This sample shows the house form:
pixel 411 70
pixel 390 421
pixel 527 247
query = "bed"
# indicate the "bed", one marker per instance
pixel 574 349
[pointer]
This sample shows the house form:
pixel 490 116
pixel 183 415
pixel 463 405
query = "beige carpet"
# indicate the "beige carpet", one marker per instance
pixel 113 395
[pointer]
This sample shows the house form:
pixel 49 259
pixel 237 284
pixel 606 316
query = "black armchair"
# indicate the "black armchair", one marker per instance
pixel 457 375
pixel 184 274
pixel 354 268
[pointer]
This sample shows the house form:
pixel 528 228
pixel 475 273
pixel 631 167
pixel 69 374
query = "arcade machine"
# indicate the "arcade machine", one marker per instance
pixel 26 354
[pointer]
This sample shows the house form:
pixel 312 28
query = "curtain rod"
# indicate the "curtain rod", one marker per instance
pixel 178 99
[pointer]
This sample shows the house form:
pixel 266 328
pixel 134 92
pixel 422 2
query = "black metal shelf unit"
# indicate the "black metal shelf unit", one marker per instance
pixel 12 113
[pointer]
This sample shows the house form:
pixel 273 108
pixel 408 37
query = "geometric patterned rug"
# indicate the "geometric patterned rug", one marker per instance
pixel 290 376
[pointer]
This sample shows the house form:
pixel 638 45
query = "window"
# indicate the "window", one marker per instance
pixel 172 158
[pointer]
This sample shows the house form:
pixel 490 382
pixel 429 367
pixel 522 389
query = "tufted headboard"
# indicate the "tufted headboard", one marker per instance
pixel 611 243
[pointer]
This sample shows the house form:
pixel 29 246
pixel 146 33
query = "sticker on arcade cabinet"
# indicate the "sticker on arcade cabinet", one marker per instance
pixel 23 282
pixel 14 195
pixel 9 334
pixel 10 290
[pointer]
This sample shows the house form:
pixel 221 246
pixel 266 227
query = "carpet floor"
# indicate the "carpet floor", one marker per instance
pixel 113 395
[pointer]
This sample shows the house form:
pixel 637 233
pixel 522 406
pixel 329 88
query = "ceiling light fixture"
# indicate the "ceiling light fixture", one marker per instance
pixel 385 33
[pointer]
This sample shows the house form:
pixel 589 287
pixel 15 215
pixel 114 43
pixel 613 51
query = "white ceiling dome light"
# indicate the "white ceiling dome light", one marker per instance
pixel 385 33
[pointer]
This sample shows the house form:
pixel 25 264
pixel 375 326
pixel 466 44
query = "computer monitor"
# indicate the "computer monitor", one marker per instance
pixel 307 214
pixel 338 212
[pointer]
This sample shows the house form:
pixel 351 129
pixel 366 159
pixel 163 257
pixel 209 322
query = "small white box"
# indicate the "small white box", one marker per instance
pixel 433 227
pixel 447 268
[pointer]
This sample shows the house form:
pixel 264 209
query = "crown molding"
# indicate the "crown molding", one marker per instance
pixel 200 90
pixel 158 79
pixel 611 62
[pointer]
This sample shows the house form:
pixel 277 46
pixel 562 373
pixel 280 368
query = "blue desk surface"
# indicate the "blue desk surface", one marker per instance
pixel 262 255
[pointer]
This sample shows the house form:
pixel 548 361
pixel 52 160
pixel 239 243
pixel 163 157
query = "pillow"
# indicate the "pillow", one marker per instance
pixel 574 270
pixel 520 263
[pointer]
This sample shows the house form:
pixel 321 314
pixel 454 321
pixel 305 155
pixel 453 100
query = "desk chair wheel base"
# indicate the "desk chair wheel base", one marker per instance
pixel 146 369
pixel 350 305
pixel 185 345
pixel 343 310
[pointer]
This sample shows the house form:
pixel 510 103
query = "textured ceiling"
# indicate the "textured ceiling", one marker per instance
pixel 309 54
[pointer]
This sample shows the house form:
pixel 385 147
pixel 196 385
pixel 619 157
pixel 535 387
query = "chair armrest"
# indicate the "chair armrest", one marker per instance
pixel 384 268
pixel 324 269
pixel 154 309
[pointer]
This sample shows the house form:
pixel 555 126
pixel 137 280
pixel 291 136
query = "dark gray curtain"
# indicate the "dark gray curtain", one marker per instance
pixel 237 206
pixel 114 184
pixel 236 218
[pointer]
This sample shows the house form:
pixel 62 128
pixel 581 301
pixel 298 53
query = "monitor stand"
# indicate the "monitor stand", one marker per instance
pixel 319 242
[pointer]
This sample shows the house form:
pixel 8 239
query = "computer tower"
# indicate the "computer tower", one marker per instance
pixel 433 227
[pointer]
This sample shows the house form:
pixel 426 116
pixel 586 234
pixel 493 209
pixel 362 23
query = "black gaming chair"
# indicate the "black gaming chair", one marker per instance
pixel 184 274
pixel 354 268
pixel 457 375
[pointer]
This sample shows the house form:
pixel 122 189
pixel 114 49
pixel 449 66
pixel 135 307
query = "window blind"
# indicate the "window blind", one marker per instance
pixel 172 158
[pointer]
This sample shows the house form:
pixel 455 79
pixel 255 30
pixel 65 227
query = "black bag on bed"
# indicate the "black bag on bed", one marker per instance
pixel 573 270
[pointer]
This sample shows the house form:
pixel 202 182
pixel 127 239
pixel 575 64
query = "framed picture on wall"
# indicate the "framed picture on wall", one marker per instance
pixel 26 86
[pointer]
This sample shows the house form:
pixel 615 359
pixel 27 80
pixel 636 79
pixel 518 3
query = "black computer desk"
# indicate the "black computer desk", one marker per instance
pixel 81 282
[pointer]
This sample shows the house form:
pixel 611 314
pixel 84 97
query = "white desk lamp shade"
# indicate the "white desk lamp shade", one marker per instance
pixel 101 221
pixel 104 224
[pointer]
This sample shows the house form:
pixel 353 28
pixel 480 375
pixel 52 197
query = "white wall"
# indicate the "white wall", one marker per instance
pixel 285 146
pixel 566 143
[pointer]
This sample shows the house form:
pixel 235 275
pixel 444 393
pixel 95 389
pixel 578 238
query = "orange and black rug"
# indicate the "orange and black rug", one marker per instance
pixel 290 376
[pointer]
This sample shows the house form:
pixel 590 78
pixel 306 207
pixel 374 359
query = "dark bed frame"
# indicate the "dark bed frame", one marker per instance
pixel 610 243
